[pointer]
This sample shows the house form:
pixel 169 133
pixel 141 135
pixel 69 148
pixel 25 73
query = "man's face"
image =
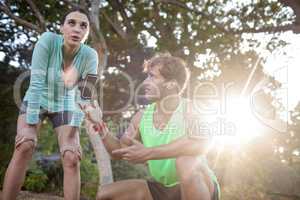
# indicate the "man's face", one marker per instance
pixel 154 84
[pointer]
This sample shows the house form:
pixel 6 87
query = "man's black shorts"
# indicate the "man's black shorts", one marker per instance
pixel 160 192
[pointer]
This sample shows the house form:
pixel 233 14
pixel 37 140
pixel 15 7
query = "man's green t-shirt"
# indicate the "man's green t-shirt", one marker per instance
pixel 164 171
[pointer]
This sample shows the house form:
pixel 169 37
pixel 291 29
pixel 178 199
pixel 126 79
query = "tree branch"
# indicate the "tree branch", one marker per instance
pixel 295 6
pixel 95 15
pixel 182 5
pixel 72 4
pixel 18 20
pixel 115 26
pixel 97 35
pixel 83 3
pixel 119 6
pixel 38 14
pixel 162 29
pixel 291 27
pixel 271 29
pixel 295 27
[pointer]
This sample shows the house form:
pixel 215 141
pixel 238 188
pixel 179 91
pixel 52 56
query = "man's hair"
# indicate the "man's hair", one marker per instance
pixel 75 9
pixel 171 68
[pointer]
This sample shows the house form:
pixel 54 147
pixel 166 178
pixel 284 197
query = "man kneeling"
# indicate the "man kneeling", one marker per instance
pixel 164 137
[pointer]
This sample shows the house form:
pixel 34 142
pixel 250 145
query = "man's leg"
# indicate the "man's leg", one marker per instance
pixel 194 179
pixel 15 174
pixel 68 139
pixel 135 189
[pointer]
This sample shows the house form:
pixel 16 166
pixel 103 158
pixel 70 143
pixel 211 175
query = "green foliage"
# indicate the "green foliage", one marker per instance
pixel 4 159
pixel 36 179
pixel 8 115
pixel 89 177
pixel 88 168
pixel 123 170
pixel 48 146
pixel 47 139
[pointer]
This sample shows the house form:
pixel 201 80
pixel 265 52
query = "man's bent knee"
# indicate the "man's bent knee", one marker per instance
pixel 105 193
pixel 103 196
pixel 187 167
pixel 190 170
pixel 184 163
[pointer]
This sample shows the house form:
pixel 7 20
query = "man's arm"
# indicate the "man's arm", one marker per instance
pixel 132 131
pixel 111 142
pixel 184 146
pixel 191 144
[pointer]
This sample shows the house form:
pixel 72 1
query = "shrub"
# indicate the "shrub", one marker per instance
pixel 36 179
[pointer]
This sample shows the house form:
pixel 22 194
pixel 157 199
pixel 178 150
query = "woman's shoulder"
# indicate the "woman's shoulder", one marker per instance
pixel 49 37
pixel 89 51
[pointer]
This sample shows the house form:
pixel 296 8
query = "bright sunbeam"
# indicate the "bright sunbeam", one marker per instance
pixel 246 126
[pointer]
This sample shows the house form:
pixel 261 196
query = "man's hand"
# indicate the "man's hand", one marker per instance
pixel 136 153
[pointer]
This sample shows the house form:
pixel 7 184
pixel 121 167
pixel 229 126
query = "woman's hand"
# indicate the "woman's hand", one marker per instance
pixel 91 127
pixel 99 128
pixel 92 112
pixel 93 120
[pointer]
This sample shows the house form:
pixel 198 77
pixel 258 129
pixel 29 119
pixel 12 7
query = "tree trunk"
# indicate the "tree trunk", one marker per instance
pixel 103 160
pixel 99 44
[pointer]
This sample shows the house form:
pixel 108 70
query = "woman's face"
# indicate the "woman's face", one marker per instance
pixel 75 29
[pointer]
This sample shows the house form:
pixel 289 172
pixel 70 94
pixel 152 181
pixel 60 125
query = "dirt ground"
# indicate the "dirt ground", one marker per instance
pixel 24 195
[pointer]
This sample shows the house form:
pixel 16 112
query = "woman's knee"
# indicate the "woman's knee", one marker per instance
pixel 70 159
pixel 26 148
pixel 26 138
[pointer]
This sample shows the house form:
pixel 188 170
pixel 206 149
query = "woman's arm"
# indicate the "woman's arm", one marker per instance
pixel 39 65
pixel 90 66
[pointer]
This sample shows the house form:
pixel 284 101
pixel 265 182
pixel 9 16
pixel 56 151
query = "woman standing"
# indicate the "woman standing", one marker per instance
pixel 58 63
